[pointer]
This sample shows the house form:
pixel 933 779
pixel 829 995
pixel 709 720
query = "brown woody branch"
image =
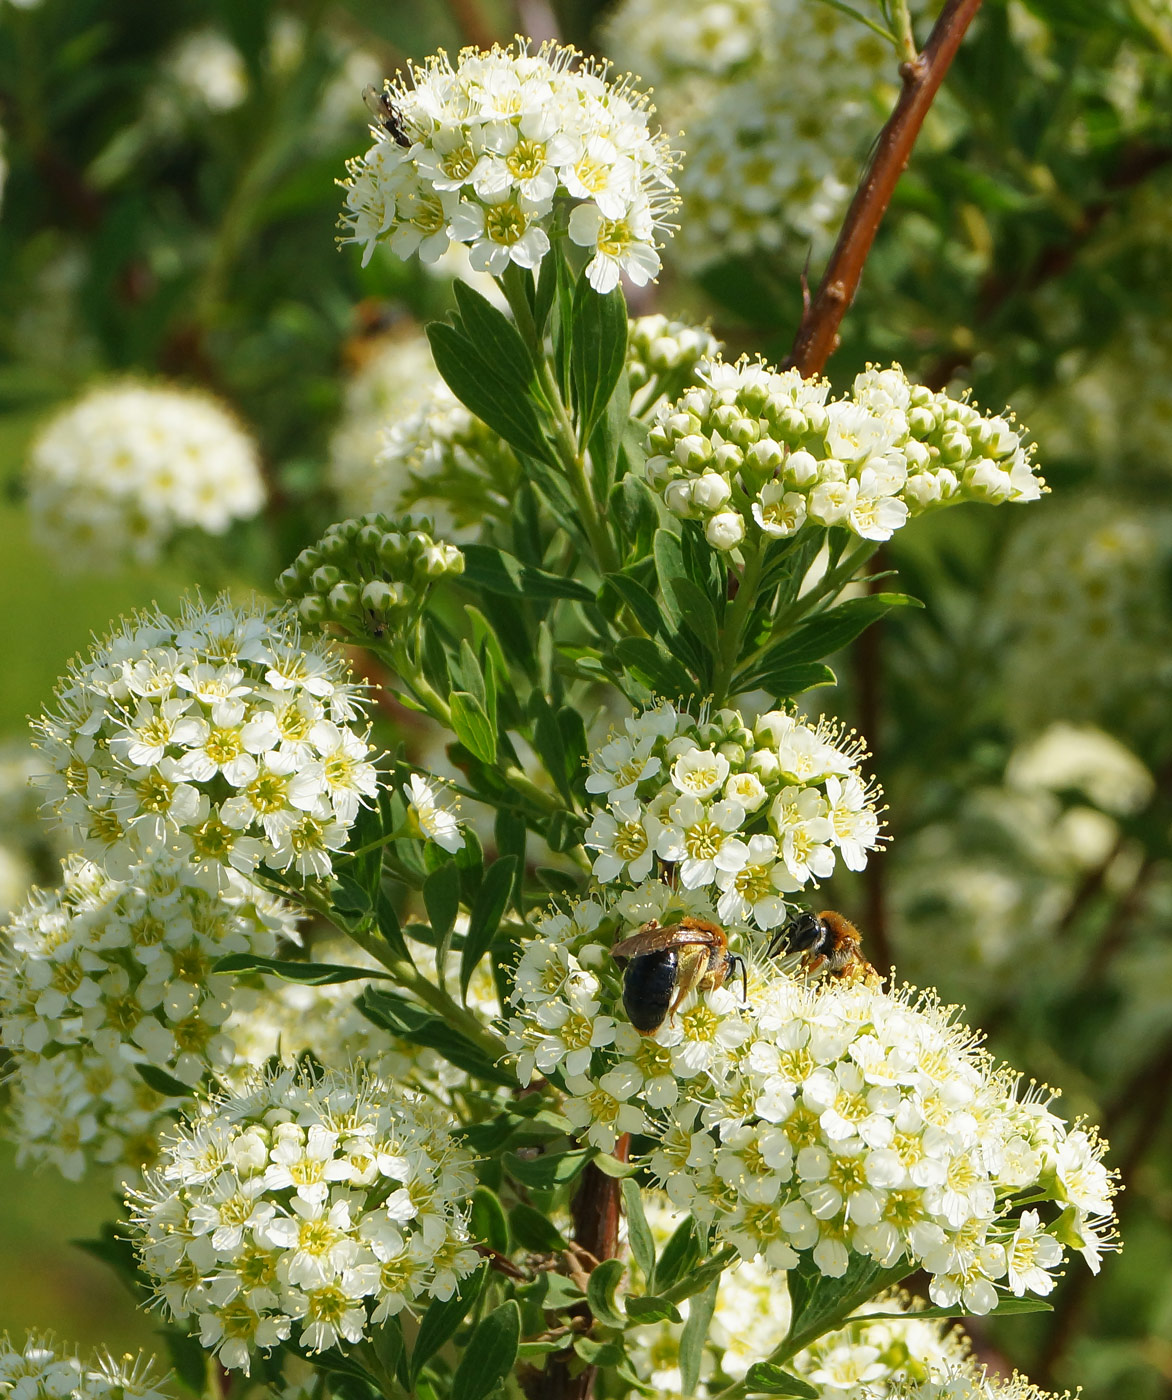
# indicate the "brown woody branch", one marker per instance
pixel 817 335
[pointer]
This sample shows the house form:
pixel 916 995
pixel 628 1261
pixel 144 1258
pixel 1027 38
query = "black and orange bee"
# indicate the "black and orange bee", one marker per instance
pixel 825 940
pixel 664 964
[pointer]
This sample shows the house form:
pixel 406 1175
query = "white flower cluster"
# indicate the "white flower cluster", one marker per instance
pixel 826 1120
pixel 397 379
pixel 429 815
pixel 778 100
pixel 205 69
pixel 750 813
pixel 44 1370
pixel 114 475
pixel 307 1205
pixel 662 358
pixel 1084 633
pixel 766 451
pixel 218 734
pixel 480 153
pixel 102 975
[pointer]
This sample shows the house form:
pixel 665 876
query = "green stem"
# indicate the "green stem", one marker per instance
pixel 684 1288
pixel 565 440
pixel 736 621
pixel 905 35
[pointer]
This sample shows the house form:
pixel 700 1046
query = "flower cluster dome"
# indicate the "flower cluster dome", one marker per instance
pixel 824 1120
pixel 101 976
pixel 219 734
pixel 747 812
pixel 757 451
pixel 116 474
pixel 48 1371
pixel 307 1206
pixel 481 153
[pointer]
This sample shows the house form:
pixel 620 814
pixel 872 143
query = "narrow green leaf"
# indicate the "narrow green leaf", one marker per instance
pixel 596 1353
pixel 652 1309
pixel 163 1083
pixel 535 1231
pixel 404 1018
pixel 443 1316
pixel 485 917
pixel 488 1221
pixel 188 1359
pixel 441 899
pixel 472 726
pixel 639 600
pixel 679 1254
pixel 490 1353
pixel 493 397
pixel 547 1170
pixel 388 926
pixel 612 1167
pixel 656 666
pixel 763 1378
pixel 494 335
pixel 1007 1305
pixel 600 1292
pixel 634 508
pixel 502 573
pixel 830 631
pixel 694 1336
pixel 307 973
pixel 782 680
pixel 598 351
pixel 697 614
pixel 639 1234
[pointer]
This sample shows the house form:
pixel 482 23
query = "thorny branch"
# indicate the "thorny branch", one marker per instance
pixel 817 335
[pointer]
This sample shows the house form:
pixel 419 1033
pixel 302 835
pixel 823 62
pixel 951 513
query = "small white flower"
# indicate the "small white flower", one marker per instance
pixel 435 821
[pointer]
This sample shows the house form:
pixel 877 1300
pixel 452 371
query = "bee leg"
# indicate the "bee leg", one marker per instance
pixel 693 965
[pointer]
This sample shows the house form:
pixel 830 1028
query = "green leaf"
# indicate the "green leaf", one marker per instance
pixel 163 1083
pixel 639 600
pixel 494 335
pixel 819 1304
pixel 697 614
pixel 505 574
pixel 488 1221
pixel 404 1018
pixel 489 1356
pixel 639 1234
pixel 600 1292
pixel 473 727
pixel 547 1170
pixel 782 680
pixel 115 1250
pixel 612 1167
pixel 652 1309
pixel 597 1353
pixel 533 1230
pixel 634 509
pixel 307 973
pixel 491 902
pixel 495 398
pixel 694 1336
pixel 443 1316
pixel 656 666
pixel 188 1359
pixel 441 899
pixel 598 351
pixel 388 926
pixel 763 1378
pixel 830 631
pixel 679 1255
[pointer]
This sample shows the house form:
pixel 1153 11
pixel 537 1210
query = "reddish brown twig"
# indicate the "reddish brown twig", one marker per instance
pixel 817 335
pixel 473 25
pixel 596 1212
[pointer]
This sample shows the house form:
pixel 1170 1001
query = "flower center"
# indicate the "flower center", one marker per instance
pixel 505 223
pixel 704 840
pixel 630 841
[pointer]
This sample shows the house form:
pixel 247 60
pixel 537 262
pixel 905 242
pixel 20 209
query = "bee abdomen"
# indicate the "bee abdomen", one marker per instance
pixel 648 984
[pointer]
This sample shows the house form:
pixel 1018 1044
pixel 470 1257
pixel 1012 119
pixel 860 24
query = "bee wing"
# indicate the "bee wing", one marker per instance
pixel 654 940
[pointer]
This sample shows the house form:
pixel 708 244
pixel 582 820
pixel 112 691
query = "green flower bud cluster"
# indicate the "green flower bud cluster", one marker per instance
pixel 750 449
pixel 366 573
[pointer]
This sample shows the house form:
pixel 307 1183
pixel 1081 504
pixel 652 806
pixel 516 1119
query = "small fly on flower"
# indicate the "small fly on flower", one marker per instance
pixel 389 117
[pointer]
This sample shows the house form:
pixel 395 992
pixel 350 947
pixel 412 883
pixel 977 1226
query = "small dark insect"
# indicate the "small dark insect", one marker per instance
pixel 664 964
pixel 389 117
pixel 824 940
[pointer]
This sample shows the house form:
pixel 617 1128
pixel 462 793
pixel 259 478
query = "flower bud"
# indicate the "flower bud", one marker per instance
pixel 725 531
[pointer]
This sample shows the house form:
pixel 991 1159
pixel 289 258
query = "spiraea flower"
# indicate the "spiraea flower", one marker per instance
pixel 115 475
pixel 430 815
pixel 749 813
pixel 307 1207
pixel 824 1119
pixel 482 153
pixel 760 451
pixel 42 1367
pixel 219 734
pixel 662 358
pixel 100 976
pixel 368 574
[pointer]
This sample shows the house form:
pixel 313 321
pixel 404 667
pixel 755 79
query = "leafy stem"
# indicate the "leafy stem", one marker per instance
pixel 565 441
pixel 735 622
